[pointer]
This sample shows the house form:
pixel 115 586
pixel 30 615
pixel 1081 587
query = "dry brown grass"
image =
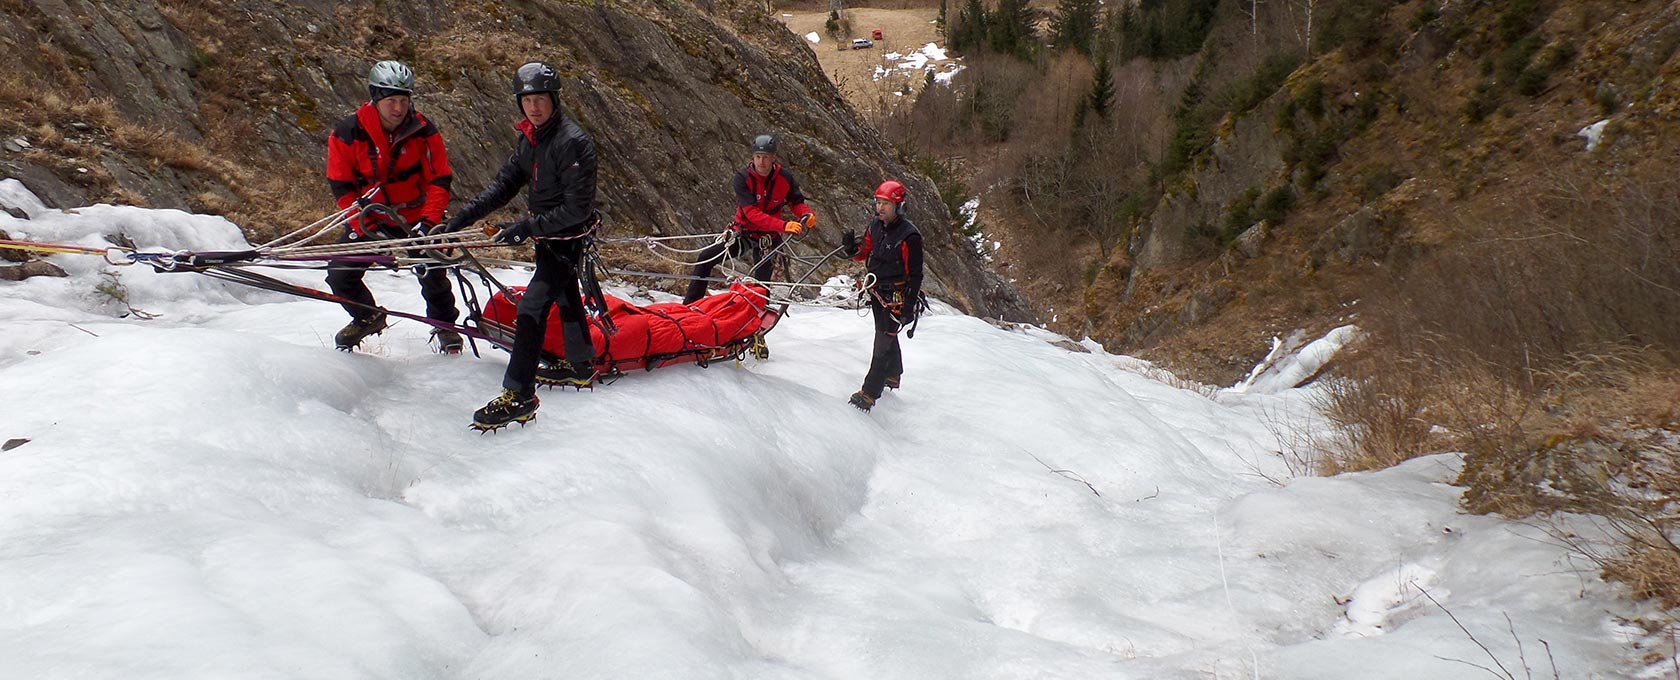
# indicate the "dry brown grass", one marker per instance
pixel 1379 408
pixel 70 134
pixel 1543 345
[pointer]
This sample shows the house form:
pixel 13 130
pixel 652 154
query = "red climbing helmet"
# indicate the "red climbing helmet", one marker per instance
pixel 890 190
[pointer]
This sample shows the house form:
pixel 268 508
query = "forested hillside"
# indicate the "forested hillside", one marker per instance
pixel 1485 188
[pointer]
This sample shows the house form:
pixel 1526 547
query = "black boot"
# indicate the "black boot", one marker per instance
pixel 862 401
pixel 566 374
pixel 358 329
pixel 448 341
pixel 893 381
pixel 511 407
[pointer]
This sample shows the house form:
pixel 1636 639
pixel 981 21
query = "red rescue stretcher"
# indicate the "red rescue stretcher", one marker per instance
pixel 721 326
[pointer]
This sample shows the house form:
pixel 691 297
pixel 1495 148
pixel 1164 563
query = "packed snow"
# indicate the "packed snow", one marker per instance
pixel 1289 364
pixel 216 492
pixel 1593 133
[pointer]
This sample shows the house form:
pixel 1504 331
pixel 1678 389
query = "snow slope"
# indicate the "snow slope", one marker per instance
pixel 217 493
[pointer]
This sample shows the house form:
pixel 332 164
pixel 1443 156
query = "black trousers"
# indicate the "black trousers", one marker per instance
pixel 554 283
pixel 886 360
pixel 345 280
pixel 742 247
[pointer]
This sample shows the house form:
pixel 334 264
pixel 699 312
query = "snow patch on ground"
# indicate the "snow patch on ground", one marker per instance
pixel 930 58
pixel 1593 133
pixel 1289 364
pixel 14 194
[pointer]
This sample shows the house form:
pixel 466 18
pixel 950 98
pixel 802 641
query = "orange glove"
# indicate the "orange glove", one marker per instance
pixel 808 220
pixel 793 227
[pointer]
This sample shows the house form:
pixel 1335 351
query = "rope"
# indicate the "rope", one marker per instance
pixel 126 255
pixel 262 282
pixel 714 279
pixel 653 246
pixel 326 224
pixel 460 239
pixel 653 241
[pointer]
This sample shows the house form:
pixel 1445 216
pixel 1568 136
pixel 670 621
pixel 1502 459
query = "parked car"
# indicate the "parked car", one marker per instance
pixel 877 34
pixel 861 44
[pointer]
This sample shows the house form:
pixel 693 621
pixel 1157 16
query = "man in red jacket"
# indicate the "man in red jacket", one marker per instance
pixel 762 190
pixel 388 145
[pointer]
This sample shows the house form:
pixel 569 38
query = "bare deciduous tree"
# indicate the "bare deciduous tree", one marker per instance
pixel 1307 8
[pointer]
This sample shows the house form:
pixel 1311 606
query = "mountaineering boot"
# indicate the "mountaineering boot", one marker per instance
pixel 893 381
pixel 862 401
pixel 448 341
pixel 511 407
pixel 566 374
pixel 358 329
pixel 759 350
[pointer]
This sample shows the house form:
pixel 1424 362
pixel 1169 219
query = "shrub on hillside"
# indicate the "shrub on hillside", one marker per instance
pixel 1251 91
pixel 1543 346
pixel 1357 26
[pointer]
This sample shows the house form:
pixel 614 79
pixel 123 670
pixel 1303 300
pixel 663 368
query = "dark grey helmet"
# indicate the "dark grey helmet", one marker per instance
pixel 764 144
pixel 389 78
pixel 533 78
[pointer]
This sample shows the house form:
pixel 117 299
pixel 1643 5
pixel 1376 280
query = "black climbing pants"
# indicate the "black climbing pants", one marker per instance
pixel 345 281
pixel 554 283
pixel 741 247
pixel 886 360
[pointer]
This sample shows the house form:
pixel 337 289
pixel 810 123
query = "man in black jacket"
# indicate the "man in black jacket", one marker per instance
pixel 555 161
pixel 891 250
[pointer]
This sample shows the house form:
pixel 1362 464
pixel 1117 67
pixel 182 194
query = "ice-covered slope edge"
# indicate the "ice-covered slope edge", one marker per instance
pixel 217 493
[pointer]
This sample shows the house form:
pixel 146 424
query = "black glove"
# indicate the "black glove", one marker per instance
pixel 512 234
pixel 848 241
pixel 420 228
pixel 455 223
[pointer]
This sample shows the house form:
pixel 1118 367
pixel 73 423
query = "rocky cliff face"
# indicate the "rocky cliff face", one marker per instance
pixel 225 107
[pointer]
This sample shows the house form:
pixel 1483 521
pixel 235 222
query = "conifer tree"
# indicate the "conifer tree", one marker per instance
pixel 1075 26
pixel 1010 28
pixel 970 30
pixel 1101 96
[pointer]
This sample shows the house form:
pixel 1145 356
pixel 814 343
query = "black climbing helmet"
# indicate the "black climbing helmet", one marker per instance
pixel 533 78
pixel 389 79
pixel 764 144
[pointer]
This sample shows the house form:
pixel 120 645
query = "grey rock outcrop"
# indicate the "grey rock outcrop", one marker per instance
pixel 32 268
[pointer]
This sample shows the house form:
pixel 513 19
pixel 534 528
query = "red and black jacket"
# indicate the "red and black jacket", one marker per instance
pixel 759 200
pixel 558 164
pixel 893 253
pixel 409 164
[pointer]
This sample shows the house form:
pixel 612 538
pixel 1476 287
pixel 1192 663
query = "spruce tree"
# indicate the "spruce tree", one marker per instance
pixel 1010 28
pixel 1075 26
pixel 1101 96
pixel 970 30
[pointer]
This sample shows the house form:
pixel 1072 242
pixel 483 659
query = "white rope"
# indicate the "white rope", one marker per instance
pixel 321 226
pixel 723 238
pixel 459 239
pixel 652 241
pixel 324 224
